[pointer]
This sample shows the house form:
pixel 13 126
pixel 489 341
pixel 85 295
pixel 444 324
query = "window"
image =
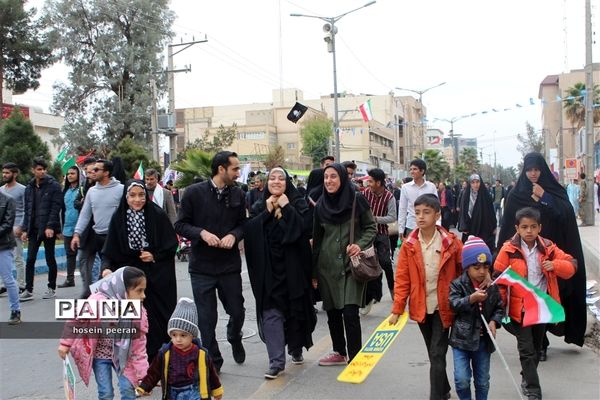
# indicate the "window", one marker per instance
pixel 291 146
pixel 258 135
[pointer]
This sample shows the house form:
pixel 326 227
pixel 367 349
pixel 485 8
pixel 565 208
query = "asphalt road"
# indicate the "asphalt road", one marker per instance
pixel 30 368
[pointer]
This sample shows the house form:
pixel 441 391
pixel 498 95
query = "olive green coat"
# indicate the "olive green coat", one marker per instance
pixel 331 263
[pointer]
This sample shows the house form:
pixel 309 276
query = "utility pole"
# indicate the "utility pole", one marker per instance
pixel 589 117
pixel 154 122
pixel 171 87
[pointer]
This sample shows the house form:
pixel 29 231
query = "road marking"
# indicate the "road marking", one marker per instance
pixel 272 387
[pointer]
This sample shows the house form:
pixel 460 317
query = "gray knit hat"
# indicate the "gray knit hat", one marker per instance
pixel 184 318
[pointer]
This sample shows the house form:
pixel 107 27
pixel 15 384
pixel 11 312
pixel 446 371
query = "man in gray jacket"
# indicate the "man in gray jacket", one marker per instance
pixel 100 203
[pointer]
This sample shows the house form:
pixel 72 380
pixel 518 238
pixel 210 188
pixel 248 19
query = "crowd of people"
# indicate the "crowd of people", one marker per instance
pixel 298 242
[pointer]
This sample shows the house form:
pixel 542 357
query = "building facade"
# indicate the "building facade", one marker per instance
pixel 564 139
pixel 388 141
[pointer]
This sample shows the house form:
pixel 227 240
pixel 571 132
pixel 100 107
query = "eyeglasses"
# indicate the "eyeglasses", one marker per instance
pixel 97 169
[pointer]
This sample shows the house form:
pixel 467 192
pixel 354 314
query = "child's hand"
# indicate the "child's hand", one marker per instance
pixel 393 319
pixel 548 265
pixel 477 296
pixel 492 325
pixel 63 351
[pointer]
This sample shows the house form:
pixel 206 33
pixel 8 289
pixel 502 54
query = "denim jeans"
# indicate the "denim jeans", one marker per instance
pixel 32 249
pixel 189 392
pixel 6 264
pixel 19 262
pixel 103 373
pixel 480 362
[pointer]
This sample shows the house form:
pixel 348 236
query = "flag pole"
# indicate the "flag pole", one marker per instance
pixel 500 276
pixel 485 323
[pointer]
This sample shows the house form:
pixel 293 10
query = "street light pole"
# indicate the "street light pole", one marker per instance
pixel 331 29
pixel 420 93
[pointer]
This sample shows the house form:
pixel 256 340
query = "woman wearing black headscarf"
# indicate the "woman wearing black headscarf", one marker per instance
pixel 537 188
pixel 477 216
pixel 342 294
pixel 279 266
pixel 141 235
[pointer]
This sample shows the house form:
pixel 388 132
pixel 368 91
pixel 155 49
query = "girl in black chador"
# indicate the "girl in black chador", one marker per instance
pixel 279 265
pixel 477 216
pixel 141 235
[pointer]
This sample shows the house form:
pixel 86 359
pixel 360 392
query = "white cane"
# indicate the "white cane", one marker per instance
pixel 501 356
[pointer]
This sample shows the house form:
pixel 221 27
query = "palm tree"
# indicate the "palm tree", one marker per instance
pixel 575 106
pixel 468 160
pixel 437 167
pixel 195 164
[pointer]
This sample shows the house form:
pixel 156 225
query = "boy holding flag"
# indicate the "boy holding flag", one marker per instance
pixel 534 264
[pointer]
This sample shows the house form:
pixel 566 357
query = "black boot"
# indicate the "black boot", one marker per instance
pixel 67 283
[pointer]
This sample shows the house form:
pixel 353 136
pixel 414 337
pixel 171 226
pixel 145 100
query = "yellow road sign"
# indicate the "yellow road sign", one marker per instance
pixel 372 351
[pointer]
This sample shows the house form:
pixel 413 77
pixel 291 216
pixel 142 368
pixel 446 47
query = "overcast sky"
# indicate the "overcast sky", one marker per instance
pixel 492 55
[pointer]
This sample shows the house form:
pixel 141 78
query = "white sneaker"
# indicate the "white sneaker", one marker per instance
pixel 49 294
pixel 367 308
pixel 26 296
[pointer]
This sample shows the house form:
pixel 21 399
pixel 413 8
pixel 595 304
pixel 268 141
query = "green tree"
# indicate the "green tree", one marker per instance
pixel 195 164
pixel 222 139
pixel 275 157
pixel 530 141
pixel 23 49
pixel 469 163
pixel 437 167
pixel 316 135
pixel 132 154
pixel 574 105
pixel 114 50
pixel 20 144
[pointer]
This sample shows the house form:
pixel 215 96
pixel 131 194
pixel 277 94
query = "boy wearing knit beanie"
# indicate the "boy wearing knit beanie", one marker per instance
pixel 469 338
pixel 183 366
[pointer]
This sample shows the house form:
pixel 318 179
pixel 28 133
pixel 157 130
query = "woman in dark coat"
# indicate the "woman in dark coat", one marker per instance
pixel 477 216
pixel 141 235
pixel 537 188
pixel 279 265
pixel 342 294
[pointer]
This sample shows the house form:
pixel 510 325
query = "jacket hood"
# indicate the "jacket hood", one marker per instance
pixel 113 183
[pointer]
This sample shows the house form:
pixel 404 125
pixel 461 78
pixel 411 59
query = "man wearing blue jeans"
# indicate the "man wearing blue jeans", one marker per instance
pixel 7 243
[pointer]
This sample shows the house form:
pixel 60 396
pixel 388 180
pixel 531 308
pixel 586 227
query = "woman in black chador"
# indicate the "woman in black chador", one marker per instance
pixel 141 235
pixel 477 216
pixel 279 265
pixel 537 188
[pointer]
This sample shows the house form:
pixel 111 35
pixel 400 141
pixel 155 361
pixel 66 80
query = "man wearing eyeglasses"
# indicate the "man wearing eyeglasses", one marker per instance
pixel 100 204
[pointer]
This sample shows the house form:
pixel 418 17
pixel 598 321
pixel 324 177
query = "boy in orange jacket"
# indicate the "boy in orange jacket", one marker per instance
pixel 429 261
pixel 542 263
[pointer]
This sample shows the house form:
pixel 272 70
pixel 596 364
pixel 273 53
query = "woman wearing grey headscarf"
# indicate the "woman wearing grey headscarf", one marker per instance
pixel 477 216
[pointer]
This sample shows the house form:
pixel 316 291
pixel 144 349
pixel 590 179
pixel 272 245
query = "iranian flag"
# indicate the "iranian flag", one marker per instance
pixel 139 174
pixel 539 307
pixel 366 111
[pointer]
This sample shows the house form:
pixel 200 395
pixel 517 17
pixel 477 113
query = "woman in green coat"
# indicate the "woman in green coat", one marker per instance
pixel 342 295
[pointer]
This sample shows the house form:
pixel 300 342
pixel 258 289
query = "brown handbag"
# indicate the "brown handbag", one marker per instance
pixel 365 266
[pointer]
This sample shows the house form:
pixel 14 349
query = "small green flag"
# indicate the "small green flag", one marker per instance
pixel 62 155
pixel 139 174
pixel 68 164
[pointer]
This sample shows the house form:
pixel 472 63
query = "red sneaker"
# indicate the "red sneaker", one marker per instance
pixel 333 358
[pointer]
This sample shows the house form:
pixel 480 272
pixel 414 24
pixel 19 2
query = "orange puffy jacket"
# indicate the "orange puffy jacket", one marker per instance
pixel 512 254
pixel 410 277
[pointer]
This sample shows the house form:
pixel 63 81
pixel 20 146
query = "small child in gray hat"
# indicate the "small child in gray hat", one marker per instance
pixel 186 360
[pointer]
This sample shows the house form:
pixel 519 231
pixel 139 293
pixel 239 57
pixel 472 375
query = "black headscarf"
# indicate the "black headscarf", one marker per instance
pixel 558 225
pixel 482 221
pixel 314 185
pixel 335 208
pixel 292 193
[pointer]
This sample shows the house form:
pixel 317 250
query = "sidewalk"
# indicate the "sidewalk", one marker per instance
pixel 590 241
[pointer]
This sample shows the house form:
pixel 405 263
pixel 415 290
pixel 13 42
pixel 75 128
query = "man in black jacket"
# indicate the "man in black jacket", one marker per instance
pixel 41 223
pixel 212 215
